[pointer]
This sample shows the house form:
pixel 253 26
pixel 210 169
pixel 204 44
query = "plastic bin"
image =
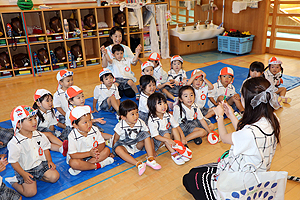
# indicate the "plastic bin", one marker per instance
pixel 235 44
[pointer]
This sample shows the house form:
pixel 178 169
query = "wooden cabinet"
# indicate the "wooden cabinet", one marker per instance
pixel 90 40
pixel 178 47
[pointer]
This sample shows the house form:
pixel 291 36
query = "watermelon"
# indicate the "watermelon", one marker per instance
pixel 25 4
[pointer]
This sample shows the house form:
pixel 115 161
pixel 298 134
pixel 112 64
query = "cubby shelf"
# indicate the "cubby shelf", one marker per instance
pixel 89 40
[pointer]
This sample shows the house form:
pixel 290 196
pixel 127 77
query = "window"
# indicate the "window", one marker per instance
pixel 180 13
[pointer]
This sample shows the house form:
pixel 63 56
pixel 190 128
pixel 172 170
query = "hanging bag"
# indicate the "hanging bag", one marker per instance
pixel 252 185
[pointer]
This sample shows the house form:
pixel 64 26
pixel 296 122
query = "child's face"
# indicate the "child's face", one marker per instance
pixel 255 74
pixel 161 107
pixel 66 82
pixel 225 79
pixel 78 100
pixel 275 68
pixel 176 65
pixel 187 97
pixel 150 88
pixel 117 37
pixel 108 80
pixel 198 82
pixel 155 62
pixel 118 55
pixel 131 117
pixel 148 71
pixel 46 104
pixel 29 124
pixel 85 123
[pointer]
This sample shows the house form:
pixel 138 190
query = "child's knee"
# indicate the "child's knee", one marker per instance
pixel 74 163
pixel 211 127
pixel 130 82
pixel 30 192
pixel 54 176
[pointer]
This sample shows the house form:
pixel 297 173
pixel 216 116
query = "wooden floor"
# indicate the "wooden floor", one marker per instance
pixel 123 182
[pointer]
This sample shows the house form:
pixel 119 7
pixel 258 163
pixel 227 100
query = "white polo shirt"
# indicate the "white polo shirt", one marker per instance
pixel 122 69
pixel 101 93
pixel 273 79
pixel 122 126
pixel 143 103
pixel 28 152
pixel 80 144
pixel 219 90
pixel 160 74
pixel 190 113
pixel 156 124
pixel 201 95
pixel 172 75
pixel 50 119
pixel 60 100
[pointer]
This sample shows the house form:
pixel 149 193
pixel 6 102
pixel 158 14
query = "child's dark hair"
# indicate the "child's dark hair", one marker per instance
pixel 114 30
pixel 78 120
pixel 145 80
pixel 105 75
pixel 35 106
pixel 180 93
pixel 256 66
pixel 117 47
pixel 127 106
pixel 250 88
pixel 154 99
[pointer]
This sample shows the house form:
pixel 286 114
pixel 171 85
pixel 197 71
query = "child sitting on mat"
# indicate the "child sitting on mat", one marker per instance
pixel 106 94
pixel 65 80
pixel 224 90
pixel 201 87
pixel 131 136
pixel 121 66
pixel 87 149
pixel 28 153
pixel 274 75
pixel 188 114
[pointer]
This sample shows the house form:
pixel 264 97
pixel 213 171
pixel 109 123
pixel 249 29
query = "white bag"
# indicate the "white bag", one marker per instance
pixel 251 185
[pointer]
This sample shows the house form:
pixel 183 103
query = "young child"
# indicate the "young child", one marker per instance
pixel 224 90
pixel 188 114
pixel 46 120
pixel 163 127
pixel 28 153
pixel 87 149
pixel 256 69
pixel 176 76
pixel 121 66
pixel 65 80
pixel 274 75
pixel 106 94
pixel 75 98
pixel 201 87
pixel 147 87
pixel 6 192
pixel 160 75
pixel 131 135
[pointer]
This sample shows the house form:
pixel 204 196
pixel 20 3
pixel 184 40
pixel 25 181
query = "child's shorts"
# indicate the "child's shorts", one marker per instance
pixel 37 172
pixel 104 106
pixel 61 119
pixel 144 116
pixel 123 83
pixel 189 126
pixel 156 142
pixel 204 110
pixel 8 193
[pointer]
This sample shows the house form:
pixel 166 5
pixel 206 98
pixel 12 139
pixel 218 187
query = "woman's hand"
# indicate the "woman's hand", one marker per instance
pixel 228 110
pixel 219 110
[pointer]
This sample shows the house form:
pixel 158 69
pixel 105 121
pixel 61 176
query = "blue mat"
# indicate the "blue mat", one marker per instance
pixel 66 181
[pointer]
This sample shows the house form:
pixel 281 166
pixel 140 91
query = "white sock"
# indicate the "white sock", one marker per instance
pixel 107 161
pixel 61 149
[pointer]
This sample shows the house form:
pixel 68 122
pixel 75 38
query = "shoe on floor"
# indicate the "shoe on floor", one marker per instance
pixel 280 102
pixel 185 159
pixel 286 99
pixel 198 140
pixel 11 180
pixel 107 161
pixel 177 159
pixel 153 164
pixel 142 168
pixel 65 147
pixel 74 172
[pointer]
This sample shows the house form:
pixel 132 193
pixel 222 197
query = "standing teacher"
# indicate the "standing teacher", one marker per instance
pixel 116 35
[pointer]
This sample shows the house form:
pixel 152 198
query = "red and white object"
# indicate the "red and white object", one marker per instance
pixel 213 137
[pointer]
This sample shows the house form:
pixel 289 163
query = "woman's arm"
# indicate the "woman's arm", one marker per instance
pixel 225 137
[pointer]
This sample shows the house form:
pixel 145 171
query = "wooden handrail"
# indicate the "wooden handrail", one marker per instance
pixel 285 26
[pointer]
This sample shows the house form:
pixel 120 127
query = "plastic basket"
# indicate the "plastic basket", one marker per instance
pixel 235 44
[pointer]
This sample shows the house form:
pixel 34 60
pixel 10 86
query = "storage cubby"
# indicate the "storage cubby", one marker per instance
pixel 5 63
pixel 41 62
pixel 87 19
pixel 18 61
pixel 40 35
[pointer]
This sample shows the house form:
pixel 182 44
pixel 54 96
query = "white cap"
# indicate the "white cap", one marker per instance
pixel 78 112
pixel 154 56
pixel 147 64
pixel 274 60
pixel 73 91
pixel 19 113
pixel 62 74
pixel 104 71
pixel 39 93
pixel 177 57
